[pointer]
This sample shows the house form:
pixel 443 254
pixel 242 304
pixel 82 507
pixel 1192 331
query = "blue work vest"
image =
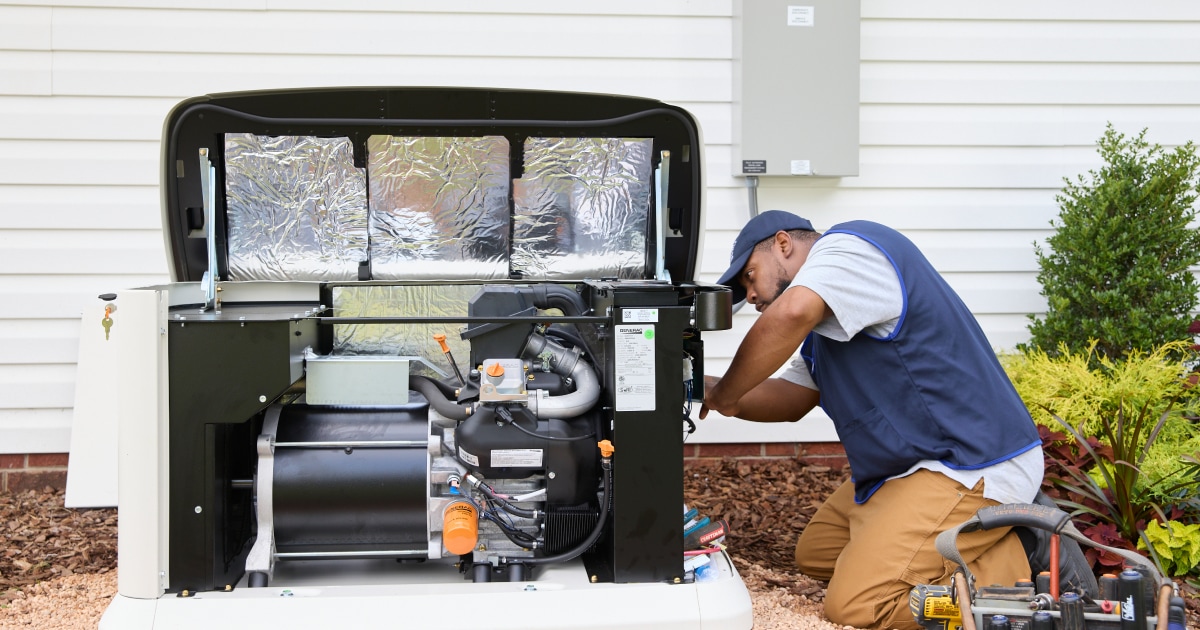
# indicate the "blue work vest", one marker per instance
pixel 932 390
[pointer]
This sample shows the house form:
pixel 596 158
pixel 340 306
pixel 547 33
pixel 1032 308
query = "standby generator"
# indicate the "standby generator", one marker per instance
pixel 426 361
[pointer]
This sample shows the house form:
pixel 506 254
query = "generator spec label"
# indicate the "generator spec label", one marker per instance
pixel 517 458
pixel 467 458
pixel 648 315
pixel 635 367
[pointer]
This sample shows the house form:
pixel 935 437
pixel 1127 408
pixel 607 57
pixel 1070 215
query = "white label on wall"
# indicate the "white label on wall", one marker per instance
pixel 801 167
pixel 800 16
pixel 640 315
pixel 635 367
pixel 517 458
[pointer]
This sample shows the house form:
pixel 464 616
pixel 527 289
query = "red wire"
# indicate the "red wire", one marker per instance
pixel 1054 566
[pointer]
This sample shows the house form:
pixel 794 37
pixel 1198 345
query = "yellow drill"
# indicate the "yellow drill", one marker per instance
pixel 934 607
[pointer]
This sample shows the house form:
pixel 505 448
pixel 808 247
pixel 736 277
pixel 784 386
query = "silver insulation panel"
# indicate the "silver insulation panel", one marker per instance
pixel 296 208
pixel 447 300
pixel 438 207
pixel 582 208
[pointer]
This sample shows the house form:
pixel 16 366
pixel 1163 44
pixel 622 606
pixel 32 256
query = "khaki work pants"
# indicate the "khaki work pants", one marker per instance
pixel 873 554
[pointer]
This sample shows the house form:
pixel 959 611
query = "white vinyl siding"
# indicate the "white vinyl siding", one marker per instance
pixel 972 113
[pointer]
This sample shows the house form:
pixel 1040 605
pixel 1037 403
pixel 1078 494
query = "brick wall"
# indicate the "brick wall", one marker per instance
pixel 829 454
pixel 35 471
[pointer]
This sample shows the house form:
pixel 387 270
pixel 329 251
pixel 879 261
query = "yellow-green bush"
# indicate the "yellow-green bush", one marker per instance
pixel 1143 383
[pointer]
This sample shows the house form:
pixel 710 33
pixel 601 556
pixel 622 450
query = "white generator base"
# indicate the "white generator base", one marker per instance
pixel 377 594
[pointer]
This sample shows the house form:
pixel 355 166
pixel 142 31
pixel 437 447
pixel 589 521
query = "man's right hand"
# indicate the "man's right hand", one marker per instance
pixel 773 400
pixel 714 401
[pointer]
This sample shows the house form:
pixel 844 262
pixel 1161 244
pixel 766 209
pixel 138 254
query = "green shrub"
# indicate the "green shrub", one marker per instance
pixel 1082 386
pixel 1117 270
pixel 1132 460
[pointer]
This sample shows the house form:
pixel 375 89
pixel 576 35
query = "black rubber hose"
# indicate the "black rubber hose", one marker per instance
pixel 554 295
pixel 448 390
pixel 437 399
pixel 571 554
pixel 562 332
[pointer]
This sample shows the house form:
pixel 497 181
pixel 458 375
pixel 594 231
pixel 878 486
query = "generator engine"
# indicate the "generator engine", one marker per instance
pixel 498 472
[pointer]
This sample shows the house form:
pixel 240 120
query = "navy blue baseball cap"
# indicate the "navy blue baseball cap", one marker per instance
pixel 756 230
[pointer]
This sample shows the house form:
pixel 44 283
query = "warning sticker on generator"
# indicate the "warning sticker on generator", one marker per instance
pixel 635 367
pixel 467 458
pixel 517 458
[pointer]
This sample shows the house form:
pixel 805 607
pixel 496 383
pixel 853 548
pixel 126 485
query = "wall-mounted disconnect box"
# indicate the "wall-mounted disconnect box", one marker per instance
pixel 795 87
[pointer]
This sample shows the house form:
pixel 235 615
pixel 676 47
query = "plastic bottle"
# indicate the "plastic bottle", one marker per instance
pixel 1129 593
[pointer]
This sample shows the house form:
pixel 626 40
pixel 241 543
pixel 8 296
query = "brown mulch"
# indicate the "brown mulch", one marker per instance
pixel 767 503
pixel 68 557
pixel 44 540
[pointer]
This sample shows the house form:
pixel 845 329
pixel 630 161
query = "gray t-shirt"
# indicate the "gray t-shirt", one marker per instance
pixel 860 285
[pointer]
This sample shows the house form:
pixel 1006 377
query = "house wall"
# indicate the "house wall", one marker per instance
pixel 972 113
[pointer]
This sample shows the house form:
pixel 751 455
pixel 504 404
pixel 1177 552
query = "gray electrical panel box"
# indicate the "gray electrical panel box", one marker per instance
pixel 795 87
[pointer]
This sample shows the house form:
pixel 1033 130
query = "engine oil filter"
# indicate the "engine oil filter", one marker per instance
pixel 460 527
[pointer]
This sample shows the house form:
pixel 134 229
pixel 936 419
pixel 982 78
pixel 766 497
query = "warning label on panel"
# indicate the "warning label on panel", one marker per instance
pixel 517 458
pixel 635 367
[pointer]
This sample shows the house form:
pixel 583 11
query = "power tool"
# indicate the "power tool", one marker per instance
pixel 1030 605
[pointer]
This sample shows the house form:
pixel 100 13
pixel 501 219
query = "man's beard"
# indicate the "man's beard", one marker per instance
pixel 782 284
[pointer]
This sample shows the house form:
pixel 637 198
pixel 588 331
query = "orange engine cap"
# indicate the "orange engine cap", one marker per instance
pixel 441 339
pixel 606 448
pixel 460 528
pixel 495 370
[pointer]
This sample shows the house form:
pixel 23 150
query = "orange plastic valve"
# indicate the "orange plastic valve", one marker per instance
pixel 495 370
pixel 441 339
pixel 606 448
pixel 460 528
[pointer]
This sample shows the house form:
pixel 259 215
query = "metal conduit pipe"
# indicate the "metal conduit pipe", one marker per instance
pixel 565 362
pixel 587 392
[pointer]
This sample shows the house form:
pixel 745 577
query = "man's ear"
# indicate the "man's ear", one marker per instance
pixel 784 241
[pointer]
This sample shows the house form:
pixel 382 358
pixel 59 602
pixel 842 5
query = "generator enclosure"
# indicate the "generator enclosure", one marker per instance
pixel 426 351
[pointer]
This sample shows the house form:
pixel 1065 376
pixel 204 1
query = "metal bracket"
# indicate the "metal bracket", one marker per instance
pixel 662 183
pixel 262 555
pixel 208 184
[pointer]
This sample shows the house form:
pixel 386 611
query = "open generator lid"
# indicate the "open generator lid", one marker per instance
pixel 424 184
